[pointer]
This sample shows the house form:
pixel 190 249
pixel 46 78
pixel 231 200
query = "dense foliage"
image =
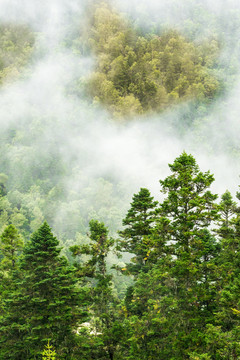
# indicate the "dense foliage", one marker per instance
pixel 38 180
pixel 43 301
pixel 174 294
pixel 148 72
pixel 183 303
pixel 16 47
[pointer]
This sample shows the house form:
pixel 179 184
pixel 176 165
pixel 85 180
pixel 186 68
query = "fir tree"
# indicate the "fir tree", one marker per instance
pixel 48 353
pixel 139 222
pixel 223 338
pixel 46 305
pixel 105 320
pixel 176 297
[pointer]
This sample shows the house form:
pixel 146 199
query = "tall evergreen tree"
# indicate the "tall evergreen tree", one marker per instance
pixel 223 337
pixel 105 320
pixel 176 297
pixel 228 209
pixel 138 223
pixel 46 304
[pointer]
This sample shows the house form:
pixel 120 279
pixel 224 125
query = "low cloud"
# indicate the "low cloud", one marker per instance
pixel 86 137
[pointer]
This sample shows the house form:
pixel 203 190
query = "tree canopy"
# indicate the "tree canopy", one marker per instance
pixel 181 280
pixel 139 73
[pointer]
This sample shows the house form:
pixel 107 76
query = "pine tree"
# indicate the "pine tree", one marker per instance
pixel 139 223
pixel 46 304
pixel 48 352
pixel 176 298
pixel 223 336
pixel 105 321
pixel 228 209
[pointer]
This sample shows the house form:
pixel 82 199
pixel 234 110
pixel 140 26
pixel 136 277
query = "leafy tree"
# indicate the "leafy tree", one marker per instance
pixel 10 214
pixel 16 46
pixel 10 246
pixel 136 73
pixel 3 180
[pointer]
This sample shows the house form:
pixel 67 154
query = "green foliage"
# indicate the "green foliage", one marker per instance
pixel 44 304
pixel 10 214
pixel 106 319
pixel 16 46
pixel 10 246
pixel 189 203
pixel 179 290
pixel 227 209
pixel 183 304
pixel 48 353
pixel 138 224
pixel 136 74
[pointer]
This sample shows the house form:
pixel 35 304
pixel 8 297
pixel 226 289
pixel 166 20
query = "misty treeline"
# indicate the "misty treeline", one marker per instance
pixel 138 72
pixel 183 299
pixel 138 69
pixel 174 292
pixel 16 48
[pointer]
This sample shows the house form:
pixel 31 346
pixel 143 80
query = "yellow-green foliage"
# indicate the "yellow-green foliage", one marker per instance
pixel 136 74
pixel 48 353
pixel 16 45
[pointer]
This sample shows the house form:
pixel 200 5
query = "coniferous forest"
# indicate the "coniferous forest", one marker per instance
pixel 119 180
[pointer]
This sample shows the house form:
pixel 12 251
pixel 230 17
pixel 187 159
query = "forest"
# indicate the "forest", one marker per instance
pixel 183 299
pixel 97 261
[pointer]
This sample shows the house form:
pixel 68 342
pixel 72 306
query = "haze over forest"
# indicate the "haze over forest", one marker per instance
pixel 82 139
pixel 96 99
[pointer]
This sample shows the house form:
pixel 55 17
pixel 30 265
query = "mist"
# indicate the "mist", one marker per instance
pixel 94 146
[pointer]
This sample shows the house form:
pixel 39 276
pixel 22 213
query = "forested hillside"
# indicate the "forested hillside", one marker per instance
pixel 97 97
pixel 139 72
pixel 184 299
pixel 16 45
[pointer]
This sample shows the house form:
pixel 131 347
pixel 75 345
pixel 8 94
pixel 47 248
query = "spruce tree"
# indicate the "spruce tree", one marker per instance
pixel 48 353
pixel 105 321
pixel 223 337
pixel 191 209
pixel 139 222
pixel 176 298
pixel 46 304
